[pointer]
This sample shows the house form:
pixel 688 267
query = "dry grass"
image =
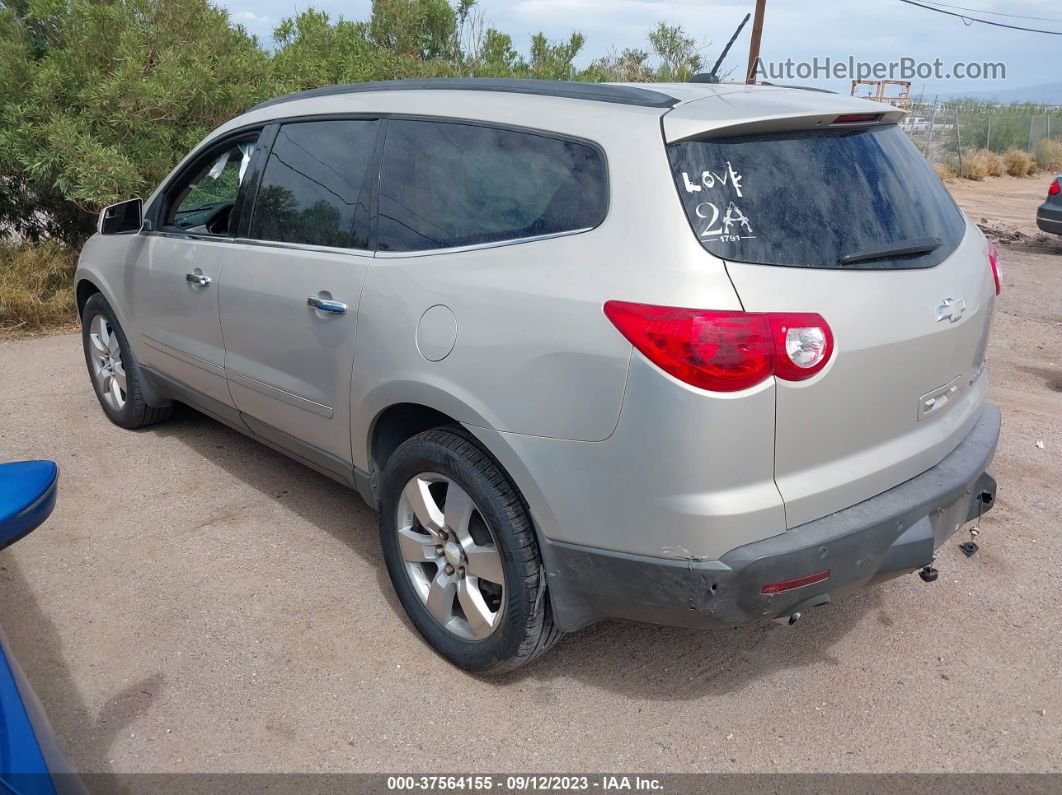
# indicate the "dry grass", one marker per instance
pixel 945 170
pixel 36 288
pixel 1019 163
pixel 981 163
pixel 1049 155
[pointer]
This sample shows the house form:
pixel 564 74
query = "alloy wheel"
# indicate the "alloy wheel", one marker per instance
pixel 450 556
pixel 107 367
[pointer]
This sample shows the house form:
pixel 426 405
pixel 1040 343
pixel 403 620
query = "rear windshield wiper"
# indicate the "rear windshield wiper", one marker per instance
pixel 905 248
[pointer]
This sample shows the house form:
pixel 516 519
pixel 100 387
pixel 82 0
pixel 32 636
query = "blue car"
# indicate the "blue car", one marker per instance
pixel 30 762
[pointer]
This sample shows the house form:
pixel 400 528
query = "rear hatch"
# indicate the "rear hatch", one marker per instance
pixel 838 213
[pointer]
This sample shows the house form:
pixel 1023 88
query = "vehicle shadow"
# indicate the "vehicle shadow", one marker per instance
pixel 671 663
pixel 637 659
pixel 85 735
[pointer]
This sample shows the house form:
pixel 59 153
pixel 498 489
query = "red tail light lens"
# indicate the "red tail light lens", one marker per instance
pixel 997 269
pixel 725 351
pixel 802 342
pixel 1055 188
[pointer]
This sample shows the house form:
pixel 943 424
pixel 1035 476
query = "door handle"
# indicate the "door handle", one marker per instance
pixel 197 279
pixel 327 305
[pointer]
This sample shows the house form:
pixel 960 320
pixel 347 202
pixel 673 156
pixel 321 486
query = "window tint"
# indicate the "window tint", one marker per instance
pixel 203 203
pixel 811 199
pixel 313 187
pixel 446 184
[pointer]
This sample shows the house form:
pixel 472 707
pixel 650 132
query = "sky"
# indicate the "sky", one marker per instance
pixel 867 30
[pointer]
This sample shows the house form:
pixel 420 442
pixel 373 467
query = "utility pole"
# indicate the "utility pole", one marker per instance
pixel 754 45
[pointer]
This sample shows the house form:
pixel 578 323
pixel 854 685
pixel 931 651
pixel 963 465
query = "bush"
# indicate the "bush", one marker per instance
pixel 1019 163
pixel 36 287
pixel 945 170
pixel 980 163
pixel 1049 155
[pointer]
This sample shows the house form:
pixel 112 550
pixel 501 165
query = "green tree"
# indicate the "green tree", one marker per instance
pixel 98 97
pixel 678 52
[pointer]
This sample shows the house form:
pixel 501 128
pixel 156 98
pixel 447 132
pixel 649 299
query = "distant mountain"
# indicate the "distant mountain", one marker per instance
pixel 1045 94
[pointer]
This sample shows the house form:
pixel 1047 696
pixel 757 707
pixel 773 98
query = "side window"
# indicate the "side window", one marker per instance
pixel 446 184
pixel 203 203
pixel 313 187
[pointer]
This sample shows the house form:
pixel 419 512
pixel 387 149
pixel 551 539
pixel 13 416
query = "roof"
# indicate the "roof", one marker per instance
pixel 622 94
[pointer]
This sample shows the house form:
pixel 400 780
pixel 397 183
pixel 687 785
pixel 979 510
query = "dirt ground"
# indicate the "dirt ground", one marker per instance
pixel 200 603
pixel 1007 202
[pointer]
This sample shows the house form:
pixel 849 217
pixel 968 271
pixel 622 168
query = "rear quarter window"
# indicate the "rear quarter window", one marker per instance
pixel 448 184
pixel 810 199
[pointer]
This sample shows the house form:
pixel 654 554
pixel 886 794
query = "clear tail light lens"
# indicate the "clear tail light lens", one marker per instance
pixel 725 351
pixel 803 342
pixel 997 268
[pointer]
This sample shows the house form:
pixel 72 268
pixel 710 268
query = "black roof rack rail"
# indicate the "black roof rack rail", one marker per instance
pixel 595 92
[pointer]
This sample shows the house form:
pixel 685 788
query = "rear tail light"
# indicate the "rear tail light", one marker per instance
pixel 725 351
pixel 1055 188
pixel 997 269
pixel 798 582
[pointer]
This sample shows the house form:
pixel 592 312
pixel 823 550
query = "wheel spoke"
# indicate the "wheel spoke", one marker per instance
pixel 113 346
pixel 479 616
pixel 416 547
pixel 441 597
pixel 98 344
pixel 116 393
pixel 119 376
pixel 486 563
pixel 458 512
pixel 423 505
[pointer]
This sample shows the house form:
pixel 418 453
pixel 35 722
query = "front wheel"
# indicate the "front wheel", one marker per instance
pixel 113 369
pixel 462 554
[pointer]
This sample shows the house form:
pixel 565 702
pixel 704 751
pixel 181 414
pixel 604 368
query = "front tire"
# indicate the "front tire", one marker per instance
pixel 113 369
pixel 462 553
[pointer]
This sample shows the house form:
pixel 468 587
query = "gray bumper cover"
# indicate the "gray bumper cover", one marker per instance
pixel 890 534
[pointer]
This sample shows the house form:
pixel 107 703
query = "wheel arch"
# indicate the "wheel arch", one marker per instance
pixel 84 290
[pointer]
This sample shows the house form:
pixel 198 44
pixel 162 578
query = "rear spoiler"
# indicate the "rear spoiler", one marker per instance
pixel 766 110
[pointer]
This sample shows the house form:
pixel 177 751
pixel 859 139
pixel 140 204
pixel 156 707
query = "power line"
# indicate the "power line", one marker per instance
pixel 969 19
pixel 995 13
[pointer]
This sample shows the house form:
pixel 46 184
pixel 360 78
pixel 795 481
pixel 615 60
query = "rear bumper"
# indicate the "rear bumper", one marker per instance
pixel 890 534
pixel 1049 219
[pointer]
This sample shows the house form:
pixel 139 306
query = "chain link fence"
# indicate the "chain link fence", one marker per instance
pixel 970 139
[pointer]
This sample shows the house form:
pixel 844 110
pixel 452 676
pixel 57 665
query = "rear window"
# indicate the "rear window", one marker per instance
pixel 814 199
pixel 446 184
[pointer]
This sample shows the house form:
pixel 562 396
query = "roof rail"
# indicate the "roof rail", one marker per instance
pixel 595 92
pixel 798 88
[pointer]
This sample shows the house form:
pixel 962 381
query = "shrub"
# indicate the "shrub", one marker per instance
pixel 1049 155
pixel 945 170
pixel 980 163
pixel 36 286
pixel 1019 163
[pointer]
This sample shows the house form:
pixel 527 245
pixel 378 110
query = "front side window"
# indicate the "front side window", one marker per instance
pixel 447 184
pixel 313 188
pixel 204 201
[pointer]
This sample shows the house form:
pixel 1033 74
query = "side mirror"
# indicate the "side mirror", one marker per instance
pixel 27 497
pixel 121 218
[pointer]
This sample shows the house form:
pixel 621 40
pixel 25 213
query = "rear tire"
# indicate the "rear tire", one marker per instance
pixel 451 525
pixel 113 369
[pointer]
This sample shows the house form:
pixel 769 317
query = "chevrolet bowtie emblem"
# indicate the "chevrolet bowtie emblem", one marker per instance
pixel 951 309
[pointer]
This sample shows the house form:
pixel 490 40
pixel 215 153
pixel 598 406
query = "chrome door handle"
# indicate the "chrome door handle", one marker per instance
pixel 198 279
pixel 326 305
